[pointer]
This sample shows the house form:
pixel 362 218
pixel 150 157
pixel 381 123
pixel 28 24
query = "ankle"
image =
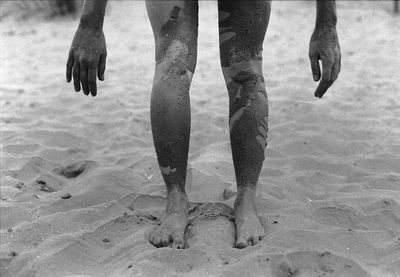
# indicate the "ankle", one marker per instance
pixel 177 201
pixel 247 192
pixel 245 198
pixel 176 193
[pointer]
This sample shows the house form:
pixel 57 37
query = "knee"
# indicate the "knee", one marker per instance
pixel 246 89
pixel 175 59
pixel 245 82
pixel 174 73
pixel 243 71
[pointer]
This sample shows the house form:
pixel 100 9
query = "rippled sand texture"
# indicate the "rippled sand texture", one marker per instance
pixel 80 185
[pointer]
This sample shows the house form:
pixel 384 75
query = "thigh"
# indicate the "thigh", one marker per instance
pixel 242 28
pixel 175 28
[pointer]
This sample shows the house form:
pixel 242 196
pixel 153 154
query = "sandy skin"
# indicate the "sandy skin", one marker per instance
pixel 242 28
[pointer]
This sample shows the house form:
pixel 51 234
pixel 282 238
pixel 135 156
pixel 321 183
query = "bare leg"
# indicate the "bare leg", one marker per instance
pixel 242 27
pixel 174 26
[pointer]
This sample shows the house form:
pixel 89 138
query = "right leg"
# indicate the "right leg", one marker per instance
pixel 174 24
pixel 242 27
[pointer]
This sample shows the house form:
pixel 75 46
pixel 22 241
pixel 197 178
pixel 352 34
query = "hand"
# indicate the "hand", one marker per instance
pixel 324 46
pixel 87 59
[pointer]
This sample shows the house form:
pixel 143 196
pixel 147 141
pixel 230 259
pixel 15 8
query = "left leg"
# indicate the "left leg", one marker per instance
pixel 242 27
pixel 174 24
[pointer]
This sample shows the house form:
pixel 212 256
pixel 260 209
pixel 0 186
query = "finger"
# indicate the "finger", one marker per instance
pixel 325 82
pixel 315 67
pixel 70 63
pixel 335 70
pixel 102 67
pixel 92 80
pixel 76 74
pixel 83 76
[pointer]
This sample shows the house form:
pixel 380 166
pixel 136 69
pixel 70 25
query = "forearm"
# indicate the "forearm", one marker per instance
pixel 93 14
pixel 326 13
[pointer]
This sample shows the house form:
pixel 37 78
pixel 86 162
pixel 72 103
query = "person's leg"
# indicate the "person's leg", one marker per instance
pixel 174 26
pixel 242 27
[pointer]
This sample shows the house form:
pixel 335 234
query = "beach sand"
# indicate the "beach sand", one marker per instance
pixel 80 184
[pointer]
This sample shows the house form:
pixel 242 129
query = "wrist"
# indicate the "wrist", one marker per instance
pixel 92 22
pixel 323 28
pixel 327 21
pixel 326 13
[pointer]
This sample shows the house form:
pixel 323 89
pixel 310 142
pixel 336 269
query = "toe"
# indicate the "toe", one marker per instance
pixel 155 242
pixel 179 244
pixel 241 244
pixel 255 240
pixel 150 237
pixel 250 242
pixel 165 240
pixel 152 240
pixel 178 241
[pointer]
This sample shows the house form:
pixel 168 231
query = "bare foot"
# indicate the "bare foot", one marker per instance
pixel 249 230
pixel 171 232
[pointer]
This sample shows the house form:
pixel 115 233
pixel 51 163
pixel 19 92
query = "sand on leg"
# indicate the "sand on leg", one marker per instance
pixel 242 27
pixel 174 25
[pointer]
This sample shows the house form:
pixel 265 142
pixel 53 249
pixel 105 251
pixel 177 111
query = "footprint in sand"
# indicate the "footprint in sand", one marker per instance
pixel 314 264
pixel 54 180
pixel 74 170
